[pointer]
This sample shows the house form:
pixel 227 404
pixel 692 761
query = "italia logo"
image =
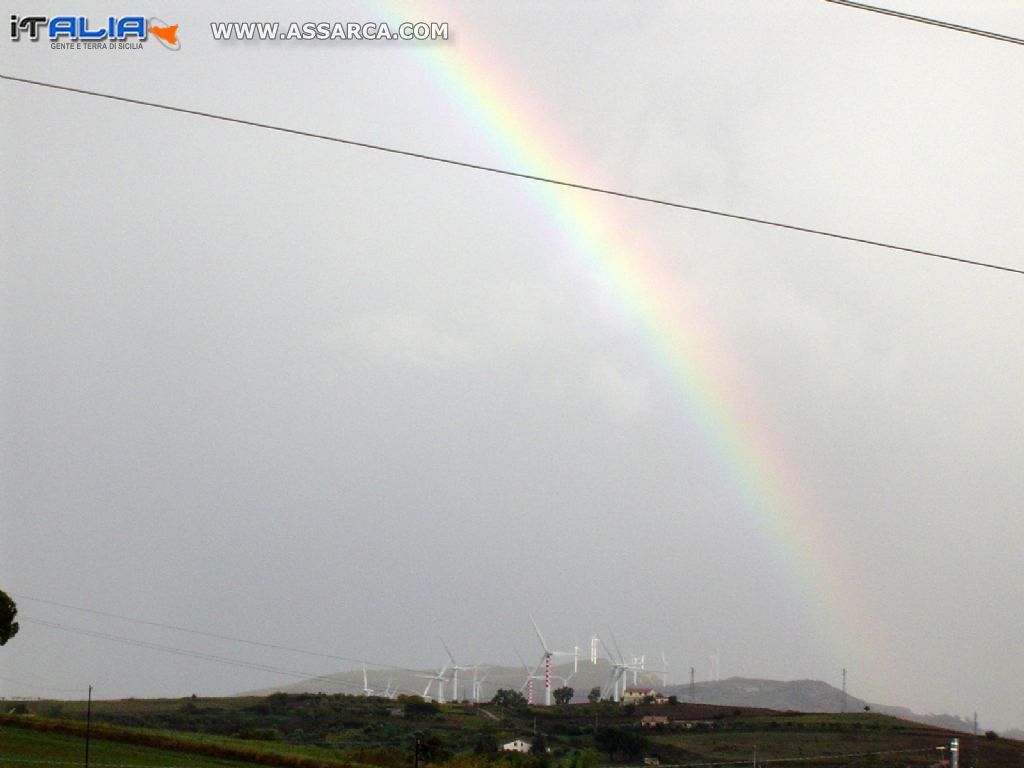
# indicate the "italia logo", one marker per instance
pixel 125 31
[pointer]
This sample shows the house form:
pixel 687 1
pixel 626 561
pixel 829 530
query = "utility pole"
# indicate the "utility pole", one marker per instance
pixel 844 690
pixel 693 688
pixel 88 726
pixel 416 753
pixel 974 743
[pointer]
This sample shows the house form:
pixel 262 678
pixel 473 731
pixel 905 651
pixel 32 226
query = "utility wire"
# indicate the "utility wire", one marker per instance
pixel 214 635
pixel 199 654
pixel 927 20
pixel 519 175
pixel 40 687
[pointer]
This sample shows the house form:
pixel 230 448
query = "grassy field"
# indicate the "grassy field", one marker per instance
pixel 26 748
pixel 320 731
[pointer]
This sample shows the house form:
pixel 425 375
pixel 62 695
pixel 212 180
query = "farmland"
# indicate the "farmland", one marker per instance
pixel 322 731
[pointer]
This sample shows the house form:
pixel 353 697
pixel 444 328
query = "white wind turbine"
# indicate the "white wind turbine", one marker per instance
pixel 545 659
pixel 440 679
pixel 478 683
pixel 637 666
pixel 618 671
pixel 367 690
pixel 455 672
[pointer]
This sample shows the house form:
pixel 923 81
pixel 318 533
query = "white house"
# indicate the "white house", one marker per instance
pixel 519 745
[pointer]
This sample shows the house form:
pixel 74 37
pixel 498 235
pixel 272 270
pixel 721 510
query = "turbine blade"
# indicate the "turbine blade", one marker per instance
pixel 539 635
pixel 446 650
pixel 616 643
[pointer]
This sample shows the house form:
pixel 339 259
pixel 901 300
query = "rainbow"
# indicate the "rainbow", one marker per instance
pixel 678 337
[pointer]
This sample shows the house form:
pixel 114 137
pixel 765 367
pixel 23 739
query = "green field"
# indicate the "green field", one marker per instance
pixel 320 731
pixel 25 748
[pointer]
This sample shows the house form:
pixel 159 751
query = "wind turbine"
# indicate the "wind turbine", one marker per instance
pixel 618 671
pixel 455 672
pixel 531 676
pixel 715 660
pixel 545 659
pixel 440 679
pixel 564 680
pixel 637 666
pixel 367 690
pixel 478 684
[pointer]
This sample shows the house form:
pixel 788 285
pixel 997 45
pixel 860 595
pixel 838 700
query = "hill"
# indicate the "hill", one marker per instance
pixel 330 731
pixel 803 696
pixel 581 678
pixel 782 695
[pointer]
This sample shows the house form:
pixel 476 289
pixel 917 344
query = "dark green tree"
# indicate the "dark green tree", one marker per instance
pixel 621 742
pixel 415 708
pixel 508 699
pixel 432 748
pixel 594 696
pixel 8 610
pixel 539 745
pixel 486 744
pixel 563 695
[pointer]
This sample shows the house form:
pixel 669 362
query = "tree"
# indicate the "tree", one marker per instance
pixel 415 708
pixel 563 695
pixel 619 741
pixel 539 745
pixel 508 699
pixel 594 696
pixel 8 610
pixel 486 744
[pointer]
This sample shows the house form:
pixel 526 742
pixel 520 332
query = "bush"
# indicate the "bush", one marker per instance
pixel 260 734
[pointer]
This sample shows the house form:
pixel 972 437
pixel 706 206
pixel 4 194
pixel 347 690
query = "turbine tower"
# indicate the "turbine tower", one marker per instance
pixel 455 672
pixel 545 659
pixel 478 683
pixel 531 676
pixel 618 671
pixel 715 661
pixel 440 679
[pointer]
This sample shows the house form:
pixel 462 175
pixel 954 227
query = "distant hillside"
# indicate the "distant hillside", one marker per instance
pixel 797 695
pixel 802 696
pixel 782 695
pixel 585 677
pixel 337 731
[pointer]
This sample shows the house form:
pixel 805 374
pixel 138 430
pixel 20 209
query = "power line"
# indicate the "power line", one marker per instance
pixel 41 687
pixel 213 635
pixel 198 654
pixel 927 20
pixel 520 175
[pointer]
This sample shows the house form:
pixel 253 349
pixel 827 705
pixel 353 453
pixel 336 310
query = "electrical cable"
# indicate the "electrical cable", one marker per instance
pixel 199 654
pixel 521 175
pixel 213 635
pixel 927 20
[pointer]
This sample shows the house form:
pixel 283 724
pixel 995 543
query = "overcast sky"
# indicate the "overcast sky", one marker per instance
pixel 306 394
